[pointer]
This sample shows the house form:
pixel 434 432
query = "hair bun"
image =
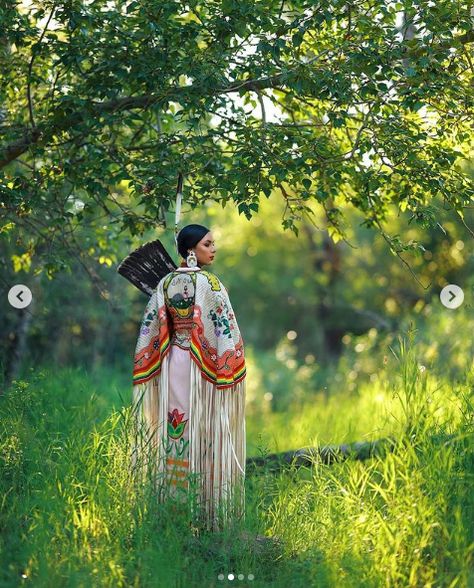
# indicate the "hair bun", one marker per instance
pixel 189 236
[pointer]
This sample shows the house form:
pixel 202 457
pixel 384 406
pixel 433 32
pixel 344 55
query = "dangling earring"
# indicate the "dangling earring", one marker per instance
pixel 191 259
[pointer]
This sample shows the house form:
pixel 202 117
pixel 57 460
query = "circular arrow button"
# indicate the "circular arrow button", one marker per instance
pixel 19 296
pixel 452 296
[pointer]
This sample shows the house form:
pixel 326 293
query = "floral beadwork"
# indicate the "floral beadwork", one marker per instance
pixel 176 424
pixel 148 319
pixel 220 318
pixel 176 445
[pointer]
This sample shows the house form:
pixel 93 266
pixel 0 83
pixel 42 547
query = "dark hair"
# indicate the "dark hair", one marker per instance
pixel 189 236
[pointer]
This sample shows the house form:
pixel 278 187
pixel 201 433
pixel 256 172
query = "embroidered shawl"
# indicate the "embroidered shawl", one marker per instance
pixel 216 342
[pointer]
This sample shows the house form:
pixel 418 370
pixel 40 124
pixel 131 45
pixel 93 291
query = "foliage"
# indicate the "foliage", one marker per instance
pixel 286 396
pixel 104 103
pixel 280 286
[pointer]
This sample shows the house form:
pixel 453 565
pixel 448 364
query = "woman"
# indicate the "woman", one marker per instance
pixel 189 386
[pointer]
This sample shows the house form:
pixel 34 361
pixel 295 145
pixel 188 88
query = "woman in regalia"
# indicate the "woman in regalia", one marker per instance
pixel 189 387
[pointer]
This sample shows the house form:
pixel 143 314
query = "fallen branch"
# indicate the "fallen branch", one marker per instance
pixel 360 450
pixel 327 454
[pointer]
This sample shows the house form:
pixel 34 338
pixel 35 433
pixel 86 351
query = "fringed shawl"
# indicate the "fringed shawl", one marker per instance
pixel 217 397
pixel 216 342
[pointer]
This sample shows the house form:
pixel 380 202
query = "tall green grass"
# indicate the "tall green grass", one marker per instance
pixel 406 519
pixel 73 515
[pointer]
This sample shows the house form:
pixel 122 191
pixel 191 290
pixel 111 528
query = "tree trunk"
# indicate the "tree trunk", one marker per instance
pixel 18 344
pixel 17 349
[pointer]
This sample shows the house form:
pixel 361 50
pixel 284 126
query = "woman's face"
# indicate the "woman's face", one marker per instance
pixel 205 250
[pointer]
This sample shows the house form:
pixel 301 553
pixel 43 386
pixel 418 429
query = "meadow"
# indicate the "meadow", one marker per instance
pixel 72 514
pixel 329 148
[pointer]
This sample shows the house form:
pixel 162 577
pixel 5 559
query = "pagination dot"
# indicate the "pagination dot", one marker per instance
pixel 232 577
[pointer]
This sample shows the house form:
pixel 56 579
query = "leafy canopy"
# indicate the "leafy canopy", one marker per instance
pixel 104 102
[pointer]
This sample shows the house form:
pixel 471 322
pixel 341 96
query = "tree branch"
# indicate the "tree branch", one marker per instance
pixel 45 130
pixel 30 69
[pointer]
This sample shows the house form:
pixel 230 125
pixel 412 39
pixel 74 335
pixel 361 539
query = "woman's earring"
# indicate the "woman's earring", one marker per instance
pixel 191 259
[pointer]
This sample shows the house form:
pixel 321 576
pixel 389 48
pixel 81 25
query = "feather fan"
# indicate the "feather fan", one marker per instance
pixel 145 266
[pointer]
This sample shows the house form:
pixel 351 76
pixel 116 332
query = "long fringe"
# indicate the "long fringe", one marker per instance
pixel 150 406
pixel 217 448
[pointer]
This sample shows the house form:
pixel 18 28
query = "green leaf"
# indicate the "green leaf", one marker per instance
pixel 297 39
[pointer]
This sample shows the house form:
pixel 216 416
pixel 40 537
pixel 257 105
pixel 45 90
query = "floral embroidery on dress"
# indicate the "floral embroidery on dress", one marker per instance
pixel 176 424
pixel 148 318
pixel 220 318
pixel 175 445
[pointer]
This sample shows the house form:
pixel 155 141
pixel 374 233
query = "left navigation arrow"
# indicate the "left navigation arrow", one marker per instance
pixel 19 296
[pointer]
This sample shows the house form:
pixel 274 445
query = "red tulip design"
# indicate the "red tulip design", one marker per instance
pixel 176 424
